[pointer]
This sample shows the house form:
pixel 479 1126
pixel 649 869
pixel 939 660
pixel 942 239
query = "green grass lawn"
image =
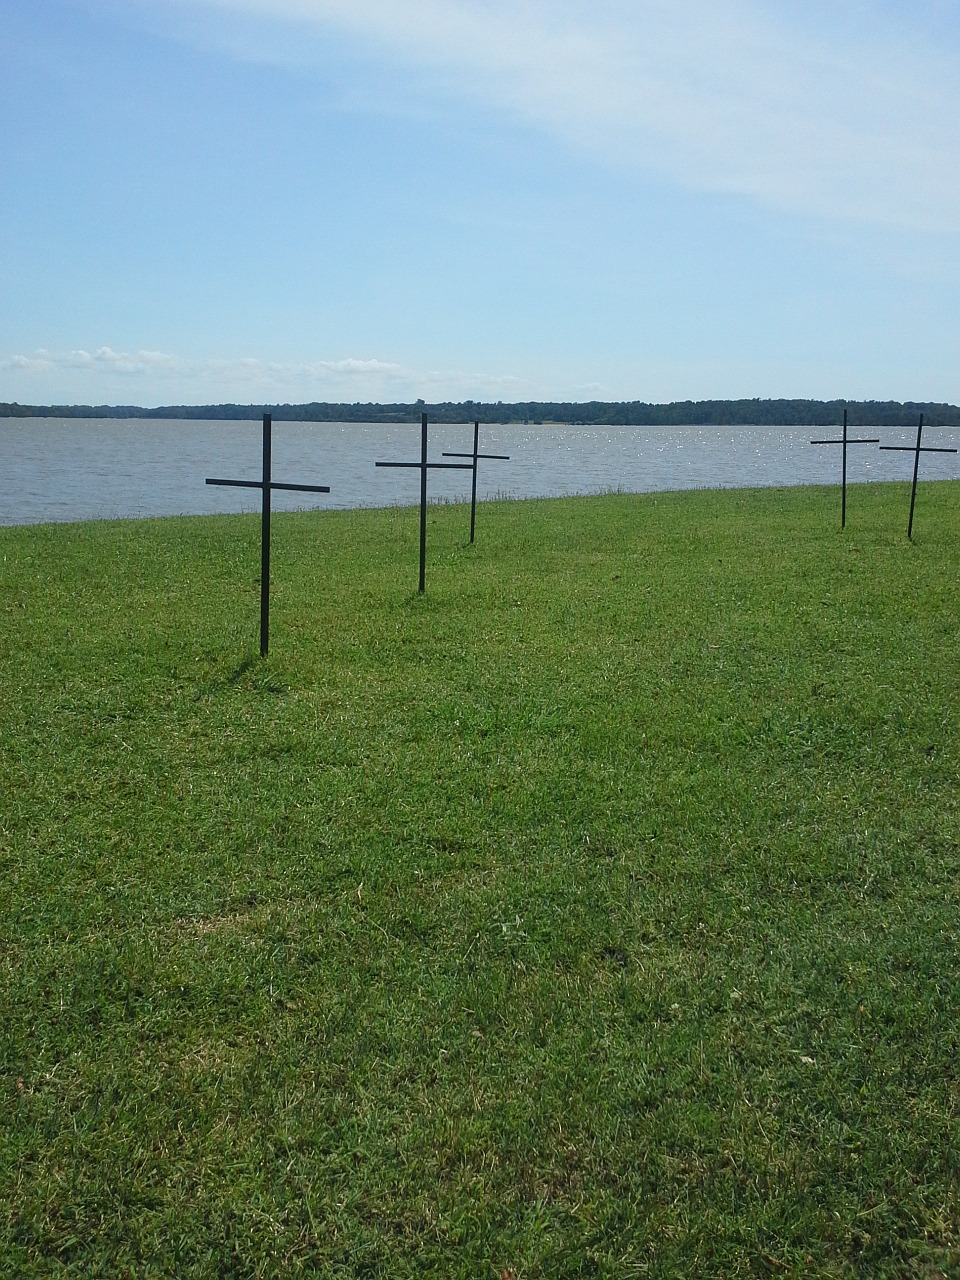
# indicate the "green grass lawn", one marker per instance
pixel 596 914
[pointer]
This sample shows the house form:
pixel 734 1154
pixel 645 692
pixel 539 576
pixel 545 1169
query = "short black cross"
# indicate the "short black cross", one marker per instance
pixel 500 457
pixel 265 485
pixel 916 450
pixel 425 466
pixel 845 441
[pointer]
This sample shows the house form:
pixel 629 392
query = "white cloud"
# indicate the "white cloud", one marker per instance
pixel 103 359
pixel 843 111
pixel 105 376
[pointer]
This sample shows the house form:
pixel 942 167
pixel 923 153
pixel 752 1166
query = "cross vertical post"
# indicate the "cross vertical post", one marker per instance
pixel 473 481
pixel 265 536
pixel 423 503
pixel 425 466
pixel 265 485
pixel 916 450
pixel 845 440
pixel 502 457
pixel 916 471
pixel 843 480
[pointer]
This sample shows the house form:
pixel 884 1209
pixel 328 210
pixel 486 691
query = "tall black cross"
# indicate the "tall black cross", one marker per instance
pixel 425 466
pixel 916 450
pixel 845 441
pixel 500 457
pixel 265 485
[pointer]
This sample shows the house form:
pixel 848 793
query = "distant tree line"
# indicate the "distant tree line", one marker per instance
pixel 627 413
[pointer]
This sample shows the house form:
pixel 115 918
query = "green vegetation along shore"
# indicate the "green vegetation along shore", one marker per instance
pixel 636 413
pixel 596 914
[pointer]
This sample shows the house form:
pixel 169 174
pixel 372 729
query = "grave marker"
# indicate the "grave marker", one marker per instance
pixel 843 485
pixel 916 450
pixel 265 485
pixel 424 467
pixel 500 457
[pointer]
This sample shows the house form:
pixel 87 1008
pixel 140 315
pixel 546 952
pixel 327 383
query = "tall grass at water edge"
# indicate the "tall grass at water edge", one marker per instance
pixel 595 914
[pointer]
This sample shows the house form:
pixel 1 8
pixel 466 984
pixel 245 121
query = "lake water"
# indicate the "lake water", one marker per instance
pixel 107 468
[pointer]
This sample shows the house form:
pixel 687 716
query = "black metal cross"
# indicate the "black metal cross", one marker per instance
pixel 916 450
pixel 843 484
pixel 425 466
pixel 265 485
pixel 500 457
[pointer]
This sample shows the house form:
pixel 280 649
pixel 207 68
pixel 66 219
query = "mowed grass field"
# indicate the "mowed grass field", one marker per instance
pixel 596 914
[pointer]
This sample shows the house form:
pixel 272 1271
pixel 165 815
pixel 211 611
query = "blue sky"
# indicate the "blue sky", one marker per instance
pixel 269 200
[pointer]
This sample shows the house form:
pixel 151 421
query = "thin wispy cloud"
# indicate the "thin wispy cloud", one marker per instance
pixel 850 115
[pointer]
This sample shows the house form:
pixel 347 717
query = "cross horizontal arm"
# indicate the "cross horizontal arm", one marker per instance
pixel 500 457
pixel 872 440
pixel 431 466
pixel 274 484
pixel 912 448
pixel 239 484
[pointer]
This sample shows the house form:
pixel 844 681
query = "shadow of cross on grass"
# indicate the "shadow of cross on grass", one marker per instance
pixel 916 450
pixel 265 485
